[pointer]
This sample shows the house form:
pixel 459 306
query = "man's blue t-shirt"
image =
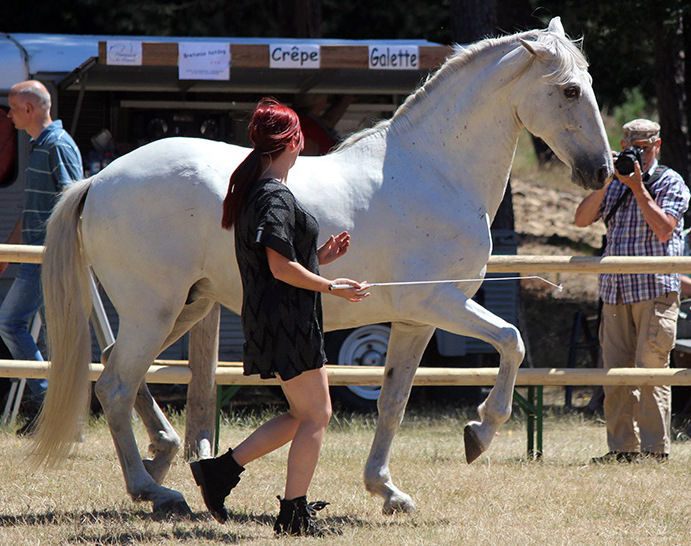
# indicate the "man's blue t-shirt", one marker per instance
pixel 54 162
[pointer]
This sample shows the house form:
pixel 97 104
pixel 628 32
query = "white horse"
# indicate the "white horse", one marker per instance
pixel 417 192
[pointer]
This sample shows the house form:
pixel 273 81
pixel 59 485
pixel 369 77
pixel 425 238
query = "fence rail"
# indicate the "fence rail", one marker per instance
pixel 496 264
pixel 230 373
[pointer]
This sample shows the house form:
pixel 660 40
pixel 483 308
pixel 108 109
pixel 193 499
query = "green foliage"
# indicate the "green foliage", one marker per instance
pixel 634 106
pixel 619 39
pixel 618 36
pixel 358 19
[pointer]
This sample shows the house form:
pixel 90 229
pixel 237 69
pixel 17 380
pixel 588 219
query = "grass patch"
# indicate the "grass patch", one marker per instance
pixel 501 499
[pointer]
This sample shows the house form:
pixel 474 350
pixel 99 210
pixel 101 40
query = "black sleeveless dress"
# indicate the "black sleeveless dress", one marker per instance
pixel 282 324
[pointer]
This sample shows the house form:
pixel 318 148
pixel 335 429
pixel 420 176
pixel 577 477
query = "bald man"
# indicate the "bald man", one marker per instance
pixel 54 162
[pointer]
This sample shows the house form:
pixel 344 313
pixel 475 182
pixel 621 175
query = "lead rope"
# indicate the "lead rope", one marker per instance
pixel 559 287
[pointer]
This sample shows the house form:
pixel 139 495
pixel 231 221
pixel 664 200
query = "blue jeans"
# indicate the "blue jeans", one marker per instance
pixel 23 301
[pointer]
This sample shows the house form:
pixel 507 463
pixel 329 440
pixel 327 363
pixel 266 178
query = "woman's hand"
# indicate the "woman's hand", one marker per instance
pixel 354 293
pixel 334 248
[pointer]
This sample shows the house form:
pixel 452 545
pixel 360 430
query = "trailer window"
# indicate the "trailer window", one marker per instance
pixel 8 149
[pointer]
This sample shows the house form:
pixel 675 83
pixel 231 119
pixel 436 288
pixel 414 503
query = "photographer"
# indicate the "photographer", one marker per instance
pixel 642 207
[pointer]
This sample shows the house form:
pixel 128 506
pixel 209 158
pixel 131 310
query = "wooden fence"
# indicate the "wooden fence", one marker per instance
pixel 204 337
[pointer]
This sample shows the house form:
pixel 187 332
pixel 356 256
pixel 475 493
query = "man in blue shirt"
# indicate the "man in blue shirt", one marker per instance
pixel 643 212
pixel 54 162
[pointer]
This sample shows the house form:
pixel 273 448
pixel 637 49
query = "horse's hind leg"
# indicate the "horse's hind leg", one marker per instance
pixel 165 442
pixel 138 343
pixel 406 346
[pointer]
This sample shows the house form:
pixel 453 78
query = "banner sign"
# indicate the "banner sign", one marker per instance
pixel 294 56
pixel 393 57
pixel 203 61
pixel 123 53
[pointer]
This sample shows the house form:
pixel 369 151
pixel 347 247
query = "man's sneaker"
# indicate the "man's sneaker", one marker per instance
pixel 617 457
pixel 658 457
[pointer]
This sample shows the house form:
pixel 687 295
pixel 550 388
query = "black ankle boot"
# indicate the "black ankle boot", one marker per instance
pixel 217 478
pixel 298 518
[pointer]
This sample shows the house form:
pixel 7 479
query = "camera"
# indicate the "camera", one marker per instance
pixel 624 162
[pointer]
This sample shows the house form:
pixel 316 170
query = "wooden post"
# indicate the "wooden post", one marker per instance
pixel 201 391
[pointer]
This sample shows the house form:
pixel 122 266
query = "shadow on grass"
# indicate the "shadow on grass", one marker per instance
pixel 127 519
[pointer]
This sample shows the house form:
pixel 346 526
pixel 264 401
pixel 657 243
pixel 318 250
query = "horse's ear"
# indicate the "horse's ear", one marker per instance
pixel 556 27
pixel 536 49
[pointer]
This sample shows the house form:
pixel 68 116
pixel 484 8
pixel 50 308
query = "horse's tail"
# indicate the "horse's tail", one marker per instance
pixel 67 308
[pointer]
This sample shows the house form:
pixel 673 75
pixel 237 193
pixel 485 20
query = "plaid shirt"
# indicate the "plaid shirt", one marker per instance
pixel 628 234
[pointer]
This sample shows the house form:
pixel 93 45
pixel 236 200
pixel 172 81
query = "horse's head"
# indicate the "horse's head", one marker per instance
pixel 555 101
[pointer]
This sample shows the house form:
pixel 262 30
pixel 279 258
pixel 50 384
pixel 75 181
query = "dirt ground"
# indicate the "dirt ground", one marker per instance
pixel 544 223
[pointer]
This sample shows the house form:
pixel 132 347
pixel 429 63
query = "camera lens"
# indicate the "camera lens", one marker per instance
pixel 625 164
pixel 625 161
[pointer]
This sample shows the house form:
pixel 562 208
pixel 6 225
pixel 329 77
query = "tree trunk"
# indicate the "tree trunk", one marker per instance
pixel 299 18
pixel 686 44
pixel 473 20
pixel 669 86
pixel 515 16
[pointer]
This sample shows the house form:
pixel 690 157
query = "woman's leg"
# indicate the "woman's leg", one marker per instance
pixel 310 406
pixel 270 436
pixel 304 424
pixel 309 413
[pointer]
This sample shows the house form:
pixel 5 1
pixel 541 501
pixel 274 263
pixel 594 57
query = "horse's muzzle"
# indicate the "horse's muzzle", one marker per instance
pixel 592 176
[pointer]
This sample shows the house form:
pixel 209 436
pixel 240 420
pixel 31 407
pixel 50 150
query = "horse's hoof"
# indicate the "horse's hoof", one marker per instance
pixel 172 508
pixel 473 447
pixel 400 503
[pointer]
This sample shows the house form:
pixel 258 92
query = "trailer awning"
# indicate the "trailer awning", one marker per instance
pixel 344 69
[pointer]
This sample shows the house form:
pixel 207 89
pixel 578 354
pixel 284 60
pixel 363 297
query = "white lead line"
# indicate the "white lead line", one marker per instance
pixel 559 287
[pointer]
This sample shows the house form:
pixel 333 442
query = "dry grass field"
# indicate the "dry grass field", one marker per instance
pixel 501 499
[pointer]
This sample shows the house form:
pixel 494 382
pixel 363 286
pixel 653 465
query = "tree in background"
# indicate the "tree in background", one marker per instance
pixel 637 47
pixel 638 44
pixel 473 20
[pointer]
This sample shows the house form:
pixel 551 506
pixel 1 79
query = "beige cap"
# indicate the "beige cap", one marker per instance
pixel 641 130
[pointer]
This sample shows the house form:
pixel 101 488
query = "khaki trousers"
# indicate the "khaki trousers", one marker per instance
pixel 639 335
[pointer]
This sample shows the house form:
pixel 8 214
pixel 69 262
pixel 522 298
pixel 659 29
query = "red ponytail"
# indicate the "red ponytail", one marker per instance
pixel 273 127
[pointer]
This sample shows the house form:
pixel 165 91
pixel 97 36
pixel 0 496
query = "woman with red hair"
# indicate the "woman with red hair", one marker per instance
pixel 277 254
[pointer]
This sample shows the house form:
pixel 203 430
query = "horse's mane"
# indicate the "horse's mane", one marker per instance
pixel 568 57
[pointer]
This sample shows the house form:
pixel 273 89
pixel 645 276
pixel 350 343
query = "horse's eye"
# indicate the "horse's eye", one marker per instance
pixel 572 92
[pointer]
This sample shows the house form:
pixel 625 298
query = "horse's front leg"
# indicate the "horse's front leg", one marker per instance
pixel 406 346
pixel 453 311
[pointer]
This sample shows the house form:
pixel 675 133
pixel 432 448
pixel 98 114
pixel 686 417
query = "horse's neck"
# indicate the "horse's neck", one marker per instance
pixel 466 128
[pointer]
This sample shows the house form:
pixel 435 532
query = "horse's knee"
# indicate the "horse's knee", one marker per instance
pixel 113 395
pixel 511 344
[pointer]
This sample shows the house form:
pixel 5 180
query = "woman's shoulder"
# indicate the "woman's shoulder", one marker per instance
pixel 270 187
pixel 270 195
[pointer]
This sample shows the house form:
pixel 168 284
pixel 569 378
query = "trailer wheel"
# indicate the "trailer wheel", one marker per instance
pixel 364 346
